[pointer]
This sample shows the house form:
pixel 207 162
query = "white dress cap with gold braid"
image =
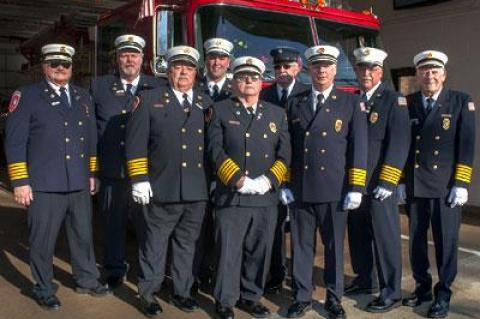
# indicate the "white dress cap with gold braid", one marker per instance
pixel 248 64
pixel 218 46
pixel 183 53
pixel 430 57
pixel 130 41
pixel 319 53
pixel 370 56
pixel 57 51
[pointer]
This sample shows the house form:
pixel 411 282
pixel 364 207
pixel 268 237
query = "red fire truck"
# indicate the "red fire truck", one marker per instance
pixel 254 26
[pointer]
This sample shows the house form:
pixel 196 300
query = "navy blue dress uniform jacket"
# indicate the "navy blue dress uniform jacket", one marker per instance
pixel 241 146
pixel 329 148
pixel 113 107
pixel 442 148
pixel 270 94
pixel 166 145
pixel 388 138
pixel 224 93
pixel 50 146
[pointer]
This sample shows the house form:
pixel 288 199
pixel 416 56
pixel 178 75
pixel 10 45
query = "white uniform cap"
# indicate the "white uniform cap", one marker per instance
pixel 130 41
pixel 57 51
pixel 322 53
pixel 430 57
pixel 218 46
pixel 371 56
pixel 183 53
pixel 248 64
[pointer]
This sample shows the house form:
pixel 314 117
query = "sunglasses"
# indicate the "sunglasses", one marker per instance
pixel 279 66
pixel 245 77
pixel 56 63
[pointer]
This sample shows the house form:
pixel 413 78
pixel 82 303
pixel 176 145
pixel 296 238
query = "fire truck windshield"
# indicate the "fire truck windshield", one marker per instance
pixel 255 32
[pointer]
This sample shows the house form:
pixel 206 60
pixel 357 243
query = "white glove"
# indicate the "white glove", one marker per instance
pixel 262 184
pixel 352 200
pixel 381 193
pixel 458 196
pixel 141 193
pixel 401 194
pixel 286 196
pixel 249 187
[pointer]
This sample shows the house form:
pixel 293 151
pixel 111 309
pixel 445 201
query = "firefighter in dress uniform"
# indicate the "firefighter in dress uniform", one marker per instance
pixel 249 147
pixel 287 63
pixel 51 155
pixel 328 174
pixel 374 228
pixel 218 53
pixel 113 96
pixel 215 83
pixel 167 167
pixel 437 176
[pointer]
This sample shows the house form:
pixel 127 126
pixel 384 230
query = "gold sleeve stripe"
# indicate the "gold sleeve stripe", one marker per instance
pixel 226 170
pixel 17 171
pixel 279 170
pixel 357 176
pixel 390 174
pixel 93 164
pixel 463 173
pixel 137 166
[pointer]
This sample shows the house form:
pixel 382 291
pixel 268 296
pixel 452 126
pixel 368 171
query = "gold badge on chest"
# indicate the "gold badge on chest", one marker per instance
pixel 338 125
pixel 446 123
pixel 273 127
pixel 373 117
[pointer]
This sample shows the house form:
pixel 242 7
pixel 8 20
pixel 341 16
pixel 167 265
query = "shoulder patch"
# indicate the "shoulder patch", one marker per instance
pixel 135 103
pixel 402 101
pixel 14 100
pixel 471 106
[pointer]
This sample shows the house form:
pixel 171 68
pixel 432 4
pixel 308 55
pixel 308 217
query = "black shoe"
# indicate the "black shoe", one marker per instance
pixel 185 304
pixel 335 310
pixel 415 299
pixel 99 291
pixel 222 312
pixel 298 309
pixel 382 305
pixel 114 282
pixel 254 308
pixel 354 288
pixel 49 303
pixel 150 307
pixel 439 309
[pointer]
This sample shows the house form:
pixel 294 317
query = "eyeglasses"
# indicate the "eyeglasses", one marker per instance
pixel 279 66
pixel 244 77
pixel 56 63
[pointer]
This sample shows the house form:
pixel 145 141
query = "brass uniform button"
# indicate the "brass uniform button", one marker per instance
pixel 247 134
pixel 322 168
pixel 435 153
pixel 322 151
pixel 122 143
pixel 247 154
pixel 306 167
pixel 435 166
pixel 184 164
pixel 66 123
pixel 324 133
pixel 184 130
pixel 200 148
pixel 67 140
pixel 437 137
pixel 417 151
pixel 124 111
pixel 80 123
pixel 184 146
pixel 199 165
pixel 67 157
pixel 418 137
pixel 82 155
pixel 82 139
pixel 307 133
pixel 417 166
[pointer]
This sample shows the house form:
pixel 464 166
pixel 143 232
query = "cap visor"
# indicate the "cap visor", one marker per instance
pixel 432 63
pixel 247 68
pixel 327 59
pixel 184 58
pixel 129 48
pixel 218 52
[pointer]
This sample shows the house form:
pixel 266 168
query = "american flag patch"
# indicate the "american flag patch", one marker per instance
pixel 471 106
pixel 402 101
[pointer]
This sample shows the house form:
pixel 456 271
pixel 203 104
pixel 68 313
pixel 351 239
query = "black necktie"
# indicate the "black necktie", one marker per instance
pixel 364 98
pixel 129 89
pixel 283 99
pixel 215 92
pixel 186 105
pixel 320 102
pixel 251 111
pixel 64 97
pixel 429 107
